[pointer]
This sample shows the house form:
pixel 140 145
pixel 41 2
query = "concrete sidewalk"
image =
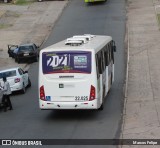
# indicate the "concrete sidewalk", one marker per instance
pixel 142 106
pixel 25 24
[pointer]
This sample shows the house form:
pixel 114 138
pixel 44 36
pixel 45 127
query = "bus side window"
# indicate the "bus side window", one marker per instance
pixel 113 46
pixel 106 55
pixel 109 59
pixel 112 51
pixel 103 60
pixel 100 63
pixel 97 67
pixel 100 66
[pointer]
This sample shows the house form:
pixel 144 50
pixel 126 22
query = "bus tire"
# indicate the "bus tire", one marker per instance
pixel 111 78
pixel 101 107
pixel 104 88
pixel 110 84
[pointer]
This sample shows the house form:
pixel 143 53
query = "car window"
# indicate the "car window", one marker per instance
pixel 15 50
pixel 34 46
pixel 12 47
pixel 11 73
pixel 25 48
pixel 20 71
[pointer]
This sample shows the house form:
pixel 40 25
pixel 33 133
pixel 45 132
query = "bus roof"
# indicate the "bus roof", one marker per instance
pixel 95 43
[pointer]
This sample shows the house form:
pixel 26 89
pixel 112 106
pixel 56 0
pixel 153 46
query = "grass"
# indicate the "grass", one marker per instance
pixel 22 2
pixel 158 16
pixel 3 26
pixel 11 14
pixel 14 14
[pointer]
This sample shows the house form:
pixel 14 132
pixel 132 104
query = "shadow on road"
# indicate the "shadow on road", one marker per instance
pixel 96 3
pixel 72 114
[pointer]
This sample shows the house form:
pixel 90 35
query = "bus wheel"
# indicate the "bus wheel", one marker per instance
pixel 111 79
pixel 102 106
pixel 110 84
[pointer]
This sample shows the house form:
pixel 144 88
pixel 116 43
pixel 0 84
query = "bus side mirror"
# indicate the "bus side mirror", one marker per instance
pixel 114 48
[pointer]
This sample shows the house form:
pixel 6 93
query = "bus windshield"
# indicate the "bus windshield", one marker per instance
pixel 66 62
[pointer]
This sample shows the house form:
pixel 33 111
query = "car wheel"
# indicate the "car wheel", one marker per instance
pixel 17 60
pixel 29 82
pixel 36 59
pixel 23 89
pixel 12 56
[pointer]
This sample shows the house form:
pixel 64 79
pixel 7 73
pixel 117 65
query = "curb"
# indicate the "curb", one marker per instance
pixel 126 81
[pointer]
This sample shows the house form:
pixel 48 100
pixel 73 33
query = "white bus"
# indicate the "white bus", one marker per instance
pixel 76 73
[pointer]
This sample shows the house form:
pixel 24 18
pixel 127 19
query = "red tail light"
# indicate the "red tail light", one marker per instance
pixel 17 80
pixel 92 93
pixel 42 93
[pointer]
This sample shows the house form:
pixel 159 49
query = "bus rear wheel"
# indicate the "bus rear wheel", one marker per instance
pixel 102 106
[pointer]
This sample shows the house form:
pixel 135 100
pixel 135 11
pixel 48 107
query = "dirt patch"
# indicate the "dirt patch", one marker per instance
pixel 8 18
pixel 26 24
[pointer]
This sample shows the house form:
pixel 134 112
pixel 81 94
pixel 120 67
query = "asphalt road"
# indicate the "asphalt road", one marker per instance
pixel 28 121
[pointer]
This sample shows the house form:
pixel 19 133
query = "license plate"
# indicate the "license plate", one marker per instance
pixel 26 54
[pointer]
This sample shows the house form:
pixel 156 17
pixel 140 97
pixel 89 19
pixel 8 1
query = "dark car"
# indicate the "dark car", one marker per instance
pixel 24 52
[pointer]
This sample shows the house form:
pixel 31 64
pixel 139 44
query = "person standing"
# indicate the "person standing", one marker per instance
pixel 6 95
